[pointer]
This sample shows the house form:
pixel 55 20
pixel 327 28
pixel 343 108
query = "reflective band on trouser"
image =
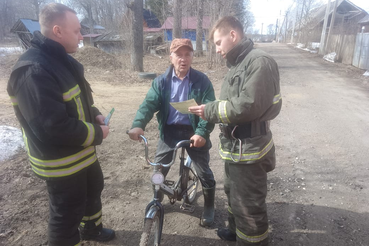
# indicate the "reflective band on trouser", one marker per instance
pixel 14 101
pixel 81 112
pixel 78 244
pixel 25 140
pixel 223 111
pixel 90 134
pixel 230 210
pixel 252 239
pixel 96 217
pixel 72 93
pixel 58 168
pixel 225 155
pixel 277 98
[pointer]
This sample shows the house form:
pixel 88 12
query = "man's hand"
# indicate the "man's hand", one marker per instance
pixel 105 130
pixel 100 119
pixel 135 133
pixel 198 141
pixel 198 110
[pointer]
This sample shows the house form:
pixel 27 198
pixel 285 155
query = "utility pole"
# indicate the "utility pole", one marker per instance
pixel 294 26
pixel 325 23
pixel 276 30
pixel 261 32
pixel 285 31
pixel 332 24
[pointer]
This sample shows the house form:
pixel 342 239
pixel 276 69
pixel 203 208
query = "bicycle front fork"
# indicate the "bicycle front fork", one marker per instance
pixel 153 209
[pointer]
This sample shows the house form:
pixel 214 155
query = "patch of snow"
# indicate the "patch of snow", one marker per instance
pixel 366 73
pixel 11 141
pixel 330 57
pixel 10 50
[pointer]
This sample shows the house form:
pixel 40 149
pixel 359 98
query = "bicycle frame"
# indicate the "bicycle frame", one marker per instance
pixel 155 205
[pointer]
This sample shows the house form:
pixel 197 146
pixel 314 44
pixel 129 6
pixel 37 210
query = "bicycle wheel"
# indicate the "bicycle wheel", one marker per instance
pixel 150 234
pixel 189 182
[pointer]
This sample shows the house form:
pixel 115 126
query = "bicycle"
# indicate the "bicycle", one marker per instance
pixel 184 189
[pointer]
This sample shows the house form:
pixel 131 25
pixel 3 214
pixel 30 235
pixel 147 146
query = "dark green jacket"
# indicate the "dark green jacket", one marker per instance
pixel 250 94
pixel 158 98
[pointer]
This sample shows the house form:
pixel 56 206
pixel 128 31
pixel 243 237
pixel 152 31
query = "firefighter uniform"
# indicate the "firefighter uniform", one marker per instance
pixel 250 97
pixel 54 105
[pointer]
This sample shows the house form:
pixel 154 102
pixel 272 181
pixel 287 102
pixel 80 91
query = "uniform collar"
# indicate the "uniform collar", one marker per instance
pixel 238 53
pixel 49 46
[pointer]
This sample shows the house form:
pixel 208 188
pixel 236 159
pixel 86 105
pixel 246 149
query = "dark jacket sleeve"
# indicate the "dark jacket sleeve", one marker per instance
pixel 204 128
pixel 40 101
pixel 149 106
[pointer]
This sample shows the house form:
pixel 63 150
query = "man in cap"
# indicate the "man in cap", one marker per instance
pixel 180 83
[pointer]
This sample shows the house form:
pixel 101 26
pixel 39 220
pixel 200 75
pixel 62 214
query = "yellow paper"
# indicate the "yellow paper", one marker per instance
pixel 182 107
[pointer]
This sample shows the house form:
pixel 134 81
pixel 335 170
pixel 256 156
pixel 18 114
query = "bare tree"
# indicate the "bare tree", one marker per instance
pixel 199 30
pixel 177 27
pixel 137 38
pixel 160 8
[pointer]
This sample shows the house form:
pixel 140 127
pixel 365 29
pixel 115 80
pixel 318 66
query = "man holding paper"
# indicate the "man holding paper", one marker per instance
pixel 178 88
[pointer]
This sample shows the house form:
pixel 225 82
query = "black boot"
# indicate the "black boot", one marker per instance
pixel 207 217
pixel 99 234
pixel 226 234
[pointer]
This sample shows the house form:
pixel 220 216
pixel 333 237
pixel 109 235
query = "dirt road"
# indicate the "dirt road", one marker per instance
pixel 318 194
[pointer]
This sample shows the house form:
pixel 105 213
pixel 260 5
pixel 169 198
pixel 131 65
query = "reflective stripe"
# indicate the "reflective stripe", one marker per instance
pixel 225 155
pixel 230 210
pixel 98 222
pixel 14 101
pixel 63 161
pixel 72 93
pixel 222 108
pixel 25 140
pixel 81 112
pixel 90 134
pixel 66 171
pixel 252 239
pixel 277 98
pixel 78 244
pixel 95 216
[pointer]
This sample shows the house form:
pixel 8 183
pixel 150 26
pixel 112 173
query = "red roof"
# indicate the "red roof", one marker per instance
pixel 153 29
pixel 94 35
pixel 187 23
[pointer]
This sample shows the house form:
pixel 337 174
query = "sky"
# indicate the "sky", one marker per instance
pixel 268 11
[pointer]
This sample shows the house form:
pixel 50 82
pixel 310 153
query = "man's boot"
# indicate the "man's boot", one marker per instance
pixel 98 234
pixel 207 217
pixel 226 234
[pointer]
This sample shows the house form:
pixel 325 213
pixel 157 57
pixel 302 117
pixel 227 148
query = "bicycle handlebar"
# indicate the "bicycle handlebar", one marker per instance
pixel 180 144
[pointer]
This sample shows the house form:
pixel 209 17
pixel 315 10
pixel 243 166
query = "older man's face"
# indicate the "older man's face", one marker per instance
pixel 181 60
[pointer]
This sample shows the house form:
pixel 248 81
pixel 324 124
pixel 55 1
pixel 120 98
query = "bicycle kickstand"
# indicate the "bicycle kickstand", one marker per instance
pixel 187 207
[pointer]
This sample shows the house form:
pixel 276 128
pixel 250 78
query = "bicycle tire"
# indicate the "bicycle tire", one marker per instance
pixel 150 234
pixel 189 180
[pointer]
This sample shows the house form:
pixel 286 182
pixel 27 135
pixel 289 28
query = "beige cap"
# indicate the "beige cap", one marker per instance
pixel 180 42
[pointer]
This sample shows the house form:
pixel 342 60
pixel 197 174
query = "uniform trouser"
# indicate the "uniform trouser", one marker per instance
pixel 72 201
pixel 200 156
pixel 246 188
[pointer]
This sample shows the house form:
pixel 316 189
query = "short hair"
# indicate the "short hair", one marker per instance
pixel 50 13
pixel 226 24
